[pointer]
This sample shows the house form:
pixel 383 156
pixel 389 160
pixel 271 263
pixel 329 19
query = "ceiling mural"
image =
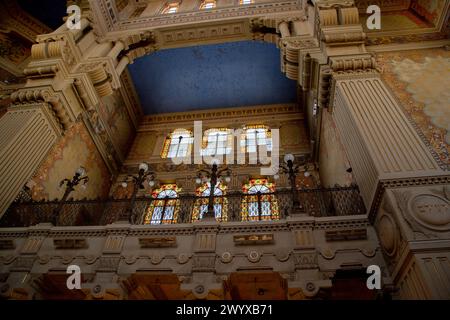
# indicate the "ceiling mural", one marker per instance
pixel 213 76
pixel 420 79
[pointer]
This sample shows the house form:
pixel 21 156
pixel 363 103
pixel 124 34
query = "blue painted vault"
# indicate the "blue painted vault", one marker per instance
pixel 225 75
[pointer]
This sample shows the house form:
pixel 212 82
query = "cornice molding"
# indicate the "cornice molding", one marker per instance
pixel 211 15
pixel 292 223
pixel 222 114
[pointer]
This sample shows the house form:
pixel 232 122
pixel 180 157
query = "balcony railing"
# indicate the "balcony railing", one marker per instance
pixel 337 201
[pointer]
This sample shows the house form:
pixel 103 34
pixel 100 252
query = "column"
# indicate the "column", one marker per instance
pixel 408 195
pixel 28 133
pixel 381 143
pixel 284 29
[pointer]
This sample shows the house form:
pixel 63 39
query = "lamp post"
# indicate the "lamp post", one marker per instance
pixel 212 177
pixel 79 177
pixel 138 182
pixel 291 170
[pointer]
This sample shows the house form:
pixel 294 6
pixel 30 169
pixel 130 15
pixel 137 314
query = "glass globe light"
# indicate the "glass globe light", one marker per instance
pixel 227 179
pixel 143 166
pixel 151 183
pixel 124 184
pixel 288 157
pixel 307 174
pixel 198 180
pixel 276 176
pixel 81 171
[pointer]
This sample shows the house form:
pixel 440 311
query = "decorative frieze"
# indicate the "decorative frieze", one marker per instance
pixel 203 262
pixel 205 242
pixel 158 242
pixel 254 239
pixel 7 244
pixel 114 244
pixel 305 260
pixel 70 244
pixel 346 235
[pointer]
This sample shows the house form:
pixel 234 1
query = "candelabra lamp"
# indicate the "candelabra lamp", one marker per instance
pixel 213 176
pixel 292 169
pixel 138 180
pixel 79 177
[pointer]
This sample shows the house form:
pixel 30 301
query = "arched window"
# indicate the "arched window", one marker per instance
pixel 208 4
pixel 259 202
pixel 220 202
pixel 255 136
pixel 165 205
pixel 171 8
pixel 245 1
pixel 217 142
pixel 177 144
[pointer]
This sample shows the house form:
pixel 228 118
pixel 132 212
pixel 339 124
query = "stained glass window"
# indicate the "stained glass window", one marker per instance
pixel 259 202
pixel 208 4
pixel 217 142
pixel 177 144
pixel 256 136
pixel 164 206
pixel 220 202
pixel 171 8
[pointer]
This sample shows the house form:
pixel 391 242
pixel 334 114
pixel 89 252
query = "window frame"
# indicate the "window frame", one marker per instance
pixel 168 143
pixel 167 202
pixel 263 201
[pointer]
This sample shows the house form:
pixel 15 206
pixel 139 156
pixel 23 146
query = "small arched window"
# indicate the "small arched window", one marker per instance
pixel 220 202
pixel 255 136
pixel 208 4
pixel 217 142
pixel 171 8
pixel 259 202
pixel 165 205
pixel 177 144
pixel 245 1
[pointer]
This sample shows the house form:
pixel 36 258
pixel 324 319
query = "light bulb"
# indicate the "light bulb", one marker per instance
pixel 143 166
pixel 307 174
pixel 289 157
pixel 198 180
pixel 227 179
pixel 81 171
pixel 151 183
pixel 124 184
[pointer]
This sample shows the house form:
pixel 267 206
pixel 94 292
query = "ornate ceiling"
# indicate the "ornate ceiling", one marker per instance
pixel 212 76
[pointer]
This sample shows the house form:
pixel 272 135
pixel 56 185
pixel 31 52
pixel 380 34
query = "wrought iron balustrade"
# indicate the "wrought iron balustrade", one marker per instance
pixel 337 201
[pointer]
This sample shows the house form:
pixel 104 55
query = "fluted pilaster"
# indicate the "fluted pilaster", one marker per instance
pixel 28 133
